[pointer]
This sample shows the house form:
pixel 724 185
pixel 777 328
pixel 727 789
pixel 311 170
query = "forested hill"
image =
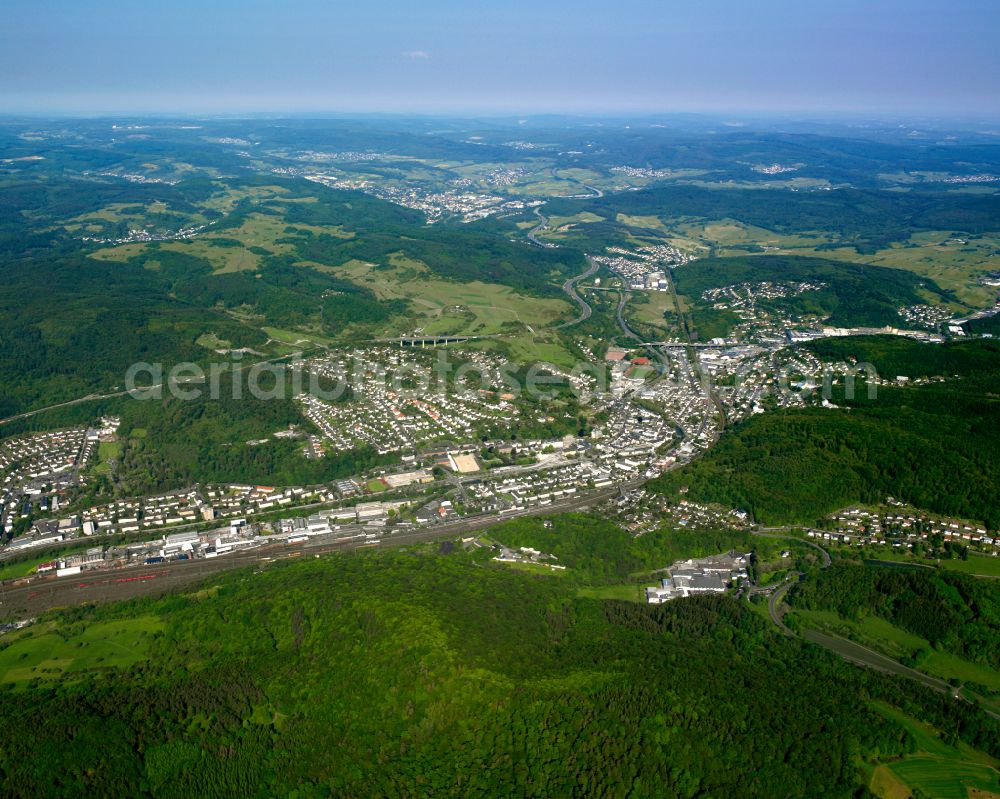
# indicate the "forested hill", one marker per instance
pixel 953 612
pixel 422 674
pixel 846 294
pixel 936 446
pixel 870 219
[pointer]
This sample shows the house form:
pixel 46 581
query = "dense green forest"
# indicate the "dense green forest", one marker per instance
pixel 936 446
pixel 414 673
pixel 171 443
pixel 458 252
pixel 893 356
pixel 70 325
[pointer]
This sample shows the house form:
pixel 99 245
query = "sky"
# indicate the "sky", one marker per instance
pixel 480 56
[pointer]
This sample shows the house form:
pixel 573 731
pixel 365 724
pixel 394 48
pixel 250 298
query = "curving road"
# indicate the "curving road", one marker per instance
pixel 543 222
pixel 236 368
pixel 570 288
pixel 774 603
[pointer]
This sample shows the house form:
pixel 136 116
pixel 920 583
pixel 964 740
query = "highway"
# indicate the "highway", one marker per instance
pixel 68 403
pixel 570 288
pixel 533 233
pixel 570 285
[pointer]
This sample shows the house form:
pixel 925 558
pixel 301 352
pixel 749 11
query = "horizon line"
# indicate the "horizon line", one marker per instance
pixel 714 113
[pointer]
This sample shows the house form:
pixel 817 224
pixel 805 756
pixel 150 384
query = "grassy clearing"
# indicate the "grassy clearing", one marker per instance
pixel 630 592
pixel 978 565
pixel 109 451
pixel 50 654
pixel 119 254
pixel 642 222
pixel 529 349
pixel 947 666
pixel 657 310
pixel 982 565
pixel 582 218
pixel 577 173
pixel 945 778
pixel 296 338
pixel 535 568
pixel 227 199
pixel 258 231
pixel 116 213
pixel 212 342
pixel 11 571
pixel 546 188
pixel 887 785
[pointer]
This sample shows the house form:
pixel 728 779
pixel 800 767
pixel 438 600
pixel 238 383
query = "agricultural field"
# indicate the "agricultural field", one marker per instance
pixel 978 565
pixel 937 768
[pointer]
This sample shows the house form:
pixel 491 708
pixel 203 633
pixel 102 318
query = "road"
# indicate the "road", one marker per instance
pixel 77 401
pixel 863 656
pixel 594 191
pixel 570 285
pixel 570 288
pixel 774 603
pixel 619 315
pixel 533 233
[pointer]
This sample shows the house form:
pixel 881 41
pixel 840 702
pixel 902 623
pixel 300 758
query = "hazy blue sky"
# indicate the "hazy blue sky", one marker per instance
pixel 475 55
